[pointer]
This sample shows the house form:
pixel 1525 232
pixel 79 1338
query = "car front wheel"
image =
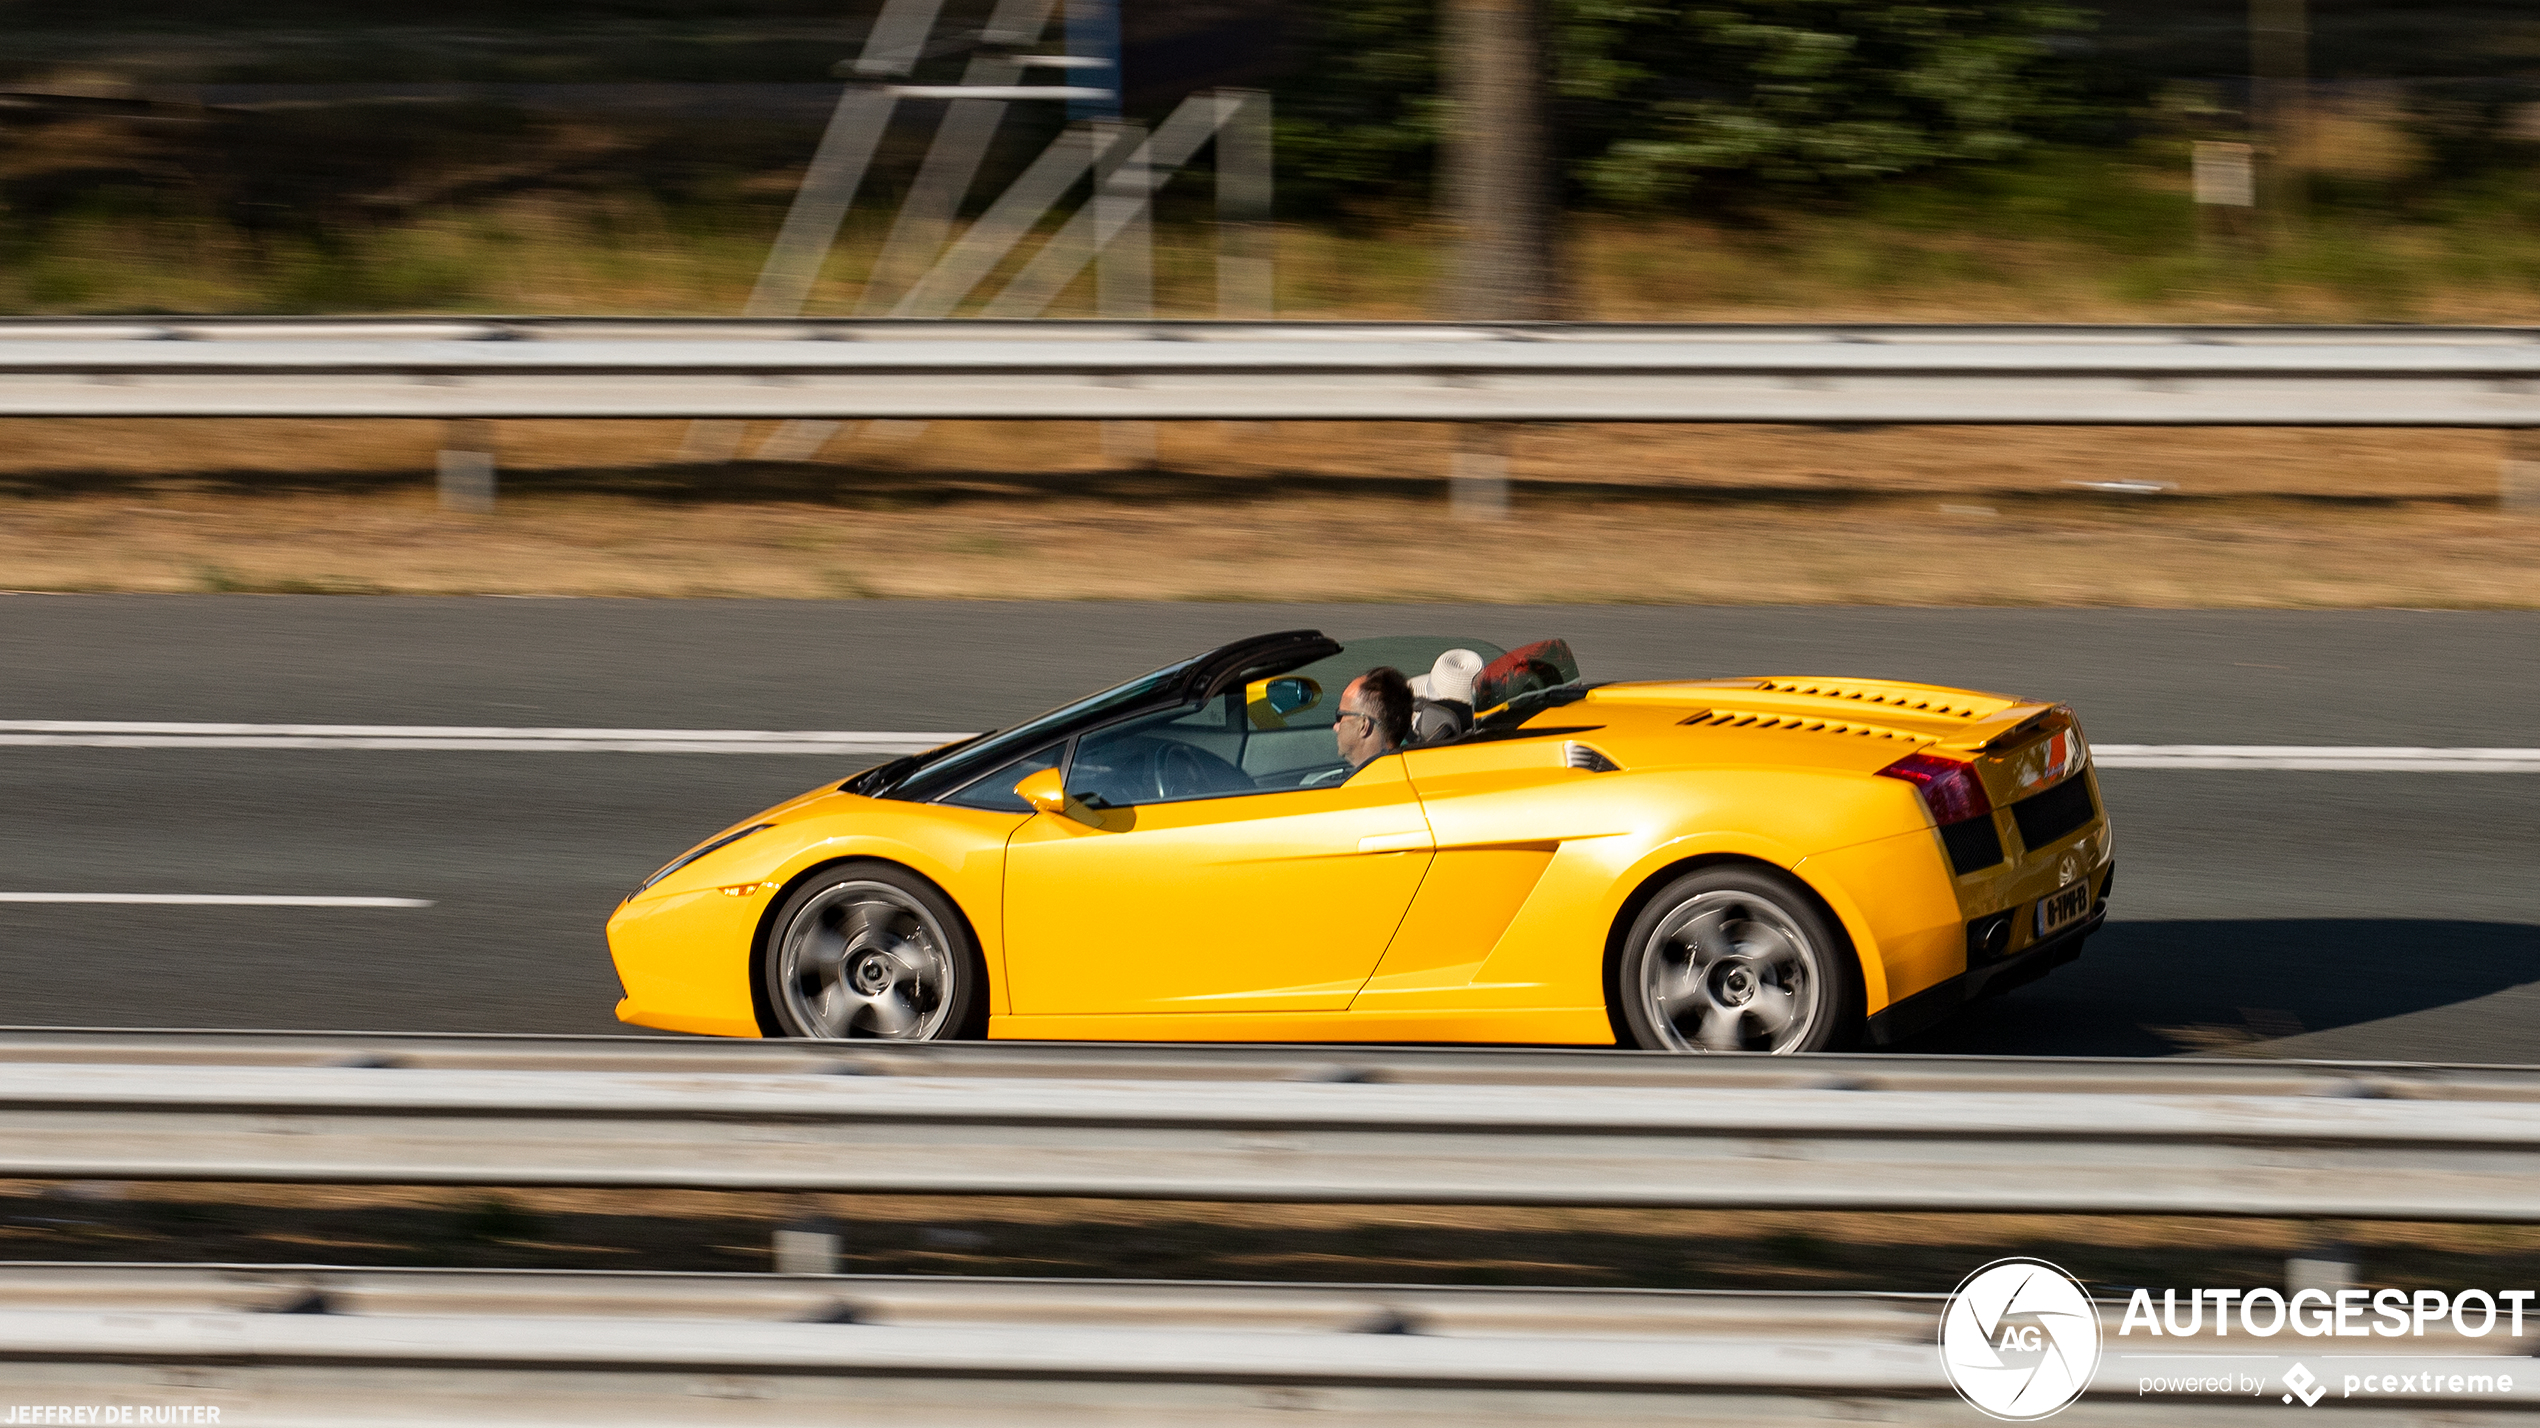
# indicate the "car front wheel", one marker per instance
pixel 1736 959
pixel 867 950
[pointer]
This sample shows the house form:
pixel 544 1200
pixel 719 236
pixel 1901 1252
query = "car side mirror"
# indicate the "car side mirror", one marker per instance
pixel 1046 791
pixel 1269 702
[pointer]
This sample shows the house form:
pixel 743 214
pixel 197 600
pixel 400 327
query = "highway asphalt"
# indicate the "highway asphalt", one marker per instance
pixel 2387 915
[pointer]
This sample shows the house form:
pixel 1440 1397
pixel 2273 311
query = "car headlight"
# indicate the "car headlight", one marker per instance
pixel 693 854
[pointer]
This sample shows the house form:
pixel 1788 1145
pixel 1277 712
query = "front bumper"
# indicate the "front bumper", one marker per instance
pixel 683 961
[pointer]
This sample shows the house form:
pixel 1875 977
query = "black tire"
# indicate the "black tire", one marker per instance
pixel 870 950
pixel 1736 958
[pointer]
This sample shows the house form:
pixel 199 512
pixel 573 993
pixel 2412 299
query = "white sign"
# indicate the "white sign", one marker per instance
pixel 2226 174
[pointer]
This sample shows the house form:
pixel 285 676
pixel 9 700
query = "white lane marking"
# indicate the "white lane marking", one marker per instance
pixel 215 899
pixel 123 734
pixel 2352 758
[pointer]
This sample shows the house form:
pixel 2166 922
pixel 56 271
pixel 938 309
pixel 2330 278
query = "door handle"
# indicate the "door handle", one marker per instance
pixel 1396 842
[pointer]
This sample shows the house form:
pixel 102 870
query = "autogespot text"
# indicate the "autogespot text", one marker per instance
pixel 2329 1314
pixel 2323 1313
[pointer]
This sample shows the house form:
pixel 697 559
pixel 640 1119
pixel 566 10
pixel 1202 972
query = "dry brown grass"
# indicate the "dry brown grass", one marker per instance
pixel 1898 551
pixel 701 1230
pixel 1699 515
pixel 60 457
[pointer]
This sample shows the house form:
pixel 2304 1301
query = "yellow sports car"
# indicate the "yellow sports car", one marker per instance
pixel 1402 839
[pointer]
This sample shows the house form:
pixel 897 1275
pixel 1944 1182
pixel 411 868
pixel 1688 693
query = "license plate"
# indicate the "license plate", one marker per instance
pixel 2063 907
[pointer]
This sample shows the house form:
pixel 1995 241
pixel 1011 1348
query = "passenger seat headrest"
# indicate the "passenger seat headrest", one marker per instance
pixel 1452 676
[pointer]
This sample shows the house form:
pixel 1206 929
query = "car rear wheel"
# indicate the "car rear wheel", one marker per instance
pixel 867 950
pixel 1736 959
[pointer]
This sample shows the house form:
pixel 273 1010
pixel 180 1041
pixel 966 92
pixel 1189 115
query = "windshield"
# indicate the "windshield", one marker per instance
pixel 925 775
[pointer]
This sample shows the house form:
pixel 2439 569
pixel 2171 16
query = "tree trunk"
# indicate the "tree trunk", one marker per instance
pixel 1499 182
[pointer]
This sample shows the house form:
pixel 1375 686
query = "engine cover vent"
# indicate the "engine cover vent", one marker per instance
pixel 1917 701
pixel 1799 723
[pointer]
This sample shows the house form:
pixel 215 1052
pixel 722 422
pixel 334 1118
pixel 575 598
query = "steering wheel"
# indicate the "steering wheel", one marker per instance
pixel 1179 770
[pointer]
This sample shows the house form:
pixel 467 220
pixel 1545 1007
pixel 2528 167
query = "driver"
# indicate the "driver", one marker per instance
pixel 1374 716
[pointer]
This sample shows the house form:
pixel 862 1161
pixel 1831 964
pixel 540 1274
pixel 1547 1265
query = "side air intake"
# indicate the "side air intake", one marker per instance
pixel 1580 756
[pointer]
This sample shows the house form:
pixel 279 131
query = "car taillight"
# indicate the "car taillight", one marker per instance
pixel 1950 789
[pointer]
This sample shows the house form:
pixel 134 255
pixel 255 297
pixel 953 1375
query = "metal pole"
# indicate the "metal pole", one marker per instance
pixel 828 188
pixel 952 161
pixel 1124 276
pixel 1245 273
pixel 820 205
pixel 934 200
pixel 962 269
pixel 1498 174
pixel 996 232
pixel 1064 257
pixel 1124 270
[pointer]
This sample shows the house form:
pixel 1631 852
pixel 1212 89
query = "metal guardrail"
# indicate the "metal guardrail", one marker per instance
pixel 738 369
pixel 1282 1124
pixel 288 1344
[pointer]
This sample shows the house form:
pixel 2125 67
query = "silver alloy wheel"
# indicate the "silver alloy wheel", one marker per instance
pixel 1726 970
pixel 865 959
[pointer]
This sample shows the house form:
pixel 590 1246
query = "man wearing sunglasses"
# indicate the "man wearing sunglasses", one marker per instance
pixel 1374 717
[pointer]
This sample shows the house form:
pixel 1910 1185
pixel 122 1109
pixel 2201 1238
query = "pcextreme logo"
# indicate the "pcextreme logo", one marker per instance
pixel 2020 1339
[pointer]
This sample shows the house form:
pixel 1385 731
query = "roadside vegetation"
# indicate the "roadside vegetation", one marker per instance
pixel 1745 160
pixel 1762 159
pixel 2064 234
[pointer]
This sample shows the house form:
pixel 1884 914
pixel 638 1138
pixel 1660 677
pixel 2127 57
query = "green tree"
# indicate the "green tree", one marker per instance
pixel 1656 97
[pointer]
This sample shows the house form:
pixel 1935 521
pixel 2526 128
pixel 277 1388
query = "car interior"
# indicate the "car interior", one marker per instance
pixel 1273 730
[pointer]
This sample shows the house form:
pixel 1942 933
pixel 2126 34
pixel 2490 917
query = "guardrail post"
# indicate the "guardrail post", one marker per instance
pixel 1477 474
pixel 2518 483
pixel 808 1244
pixel 2327 1265
pixel 466 467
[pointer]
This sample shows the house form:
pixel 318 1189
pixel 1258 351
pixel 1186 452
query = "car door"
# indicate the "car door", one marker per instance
pixel 1201 890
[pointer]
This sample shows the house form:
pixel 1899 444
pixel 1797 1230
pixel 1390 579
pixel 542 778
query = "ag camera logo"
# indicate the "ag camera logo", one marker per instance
pixel 2020 1339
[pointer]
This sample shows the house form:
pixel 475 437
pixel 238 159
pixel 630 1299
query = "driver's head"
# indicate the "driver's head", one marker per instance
pixel 1375 715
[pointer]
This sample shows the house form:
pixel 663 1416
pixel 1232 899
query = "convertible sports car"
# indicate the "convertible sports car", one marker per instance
pixel 1763 864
